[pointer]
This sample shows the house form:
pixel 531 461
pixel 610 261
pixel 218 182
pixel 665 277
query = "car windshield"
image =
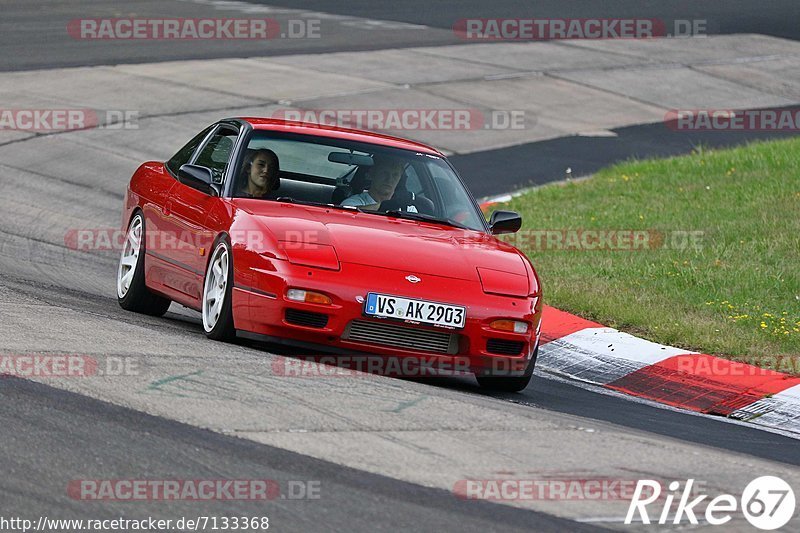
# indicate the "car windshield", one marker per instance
pixel 367 177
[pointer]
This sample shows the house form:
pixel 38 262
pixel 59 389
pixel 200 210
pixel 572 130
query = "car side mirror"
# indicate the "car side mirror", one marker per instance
pixel 505 222
pixel 198 177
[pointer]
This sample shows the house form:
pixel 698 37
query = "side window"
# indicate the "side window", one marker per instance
pixel 185 154
pixel 217 152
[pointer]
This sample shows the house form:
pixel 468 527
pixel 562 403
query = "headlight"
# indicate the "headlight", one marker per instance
pixel 311 255
pixel 504 283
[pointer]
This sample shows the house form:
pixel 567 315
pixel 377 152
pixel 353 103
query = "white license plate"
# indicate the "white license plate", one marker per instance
pixel 409 309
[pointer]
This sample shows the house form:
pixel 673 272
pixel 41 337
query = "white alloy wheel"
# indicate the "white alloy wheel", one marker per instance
pixel 130 256
pixel 215 287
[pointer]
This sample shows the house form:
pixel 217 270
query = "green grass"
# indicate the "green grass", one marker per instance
pixel 737 294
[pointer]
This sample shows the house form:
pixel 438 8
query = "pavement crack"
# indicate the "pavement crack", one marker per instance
pixel 744 83
pixel 183 85
pixel 607 91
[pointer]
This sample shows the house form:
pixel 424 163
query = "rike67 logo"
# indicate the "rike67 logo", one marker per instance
pixel 767 502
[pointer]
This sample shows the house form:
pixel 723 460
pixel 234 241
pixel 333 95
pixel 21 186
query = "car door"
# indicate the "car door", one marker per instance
pixel 187 211
pixel 159 263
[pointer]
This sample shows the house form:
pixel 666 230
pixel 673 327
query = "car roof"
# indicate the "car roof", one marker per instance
pixel 309 128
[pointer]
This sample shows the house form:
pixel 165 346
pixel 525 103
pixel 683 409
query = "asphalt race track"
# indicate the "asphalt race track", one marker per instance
pixel 58 423
pixel 53 436
pixel 736 16
pixel 386 453
pixel 32 33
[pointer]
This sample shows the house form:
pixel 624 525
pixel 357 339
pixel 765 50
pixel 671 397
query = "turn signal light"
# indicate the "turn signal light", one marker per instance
pixel 309 297
pixel 510 325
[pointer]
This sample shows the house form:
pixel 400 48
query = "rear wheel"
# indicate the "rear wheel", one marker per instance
pixel 217 294
pixel 132 293
pixel 510 383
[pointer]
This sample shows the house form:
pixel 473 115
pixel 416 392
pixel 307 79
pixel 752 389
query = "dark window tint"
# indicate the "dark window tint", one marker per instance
pixel 185 154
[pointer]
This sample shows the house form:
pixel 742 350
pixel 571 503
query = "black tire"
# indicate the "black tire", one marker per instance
pixel 223 329
pixel 510 383
pixel 138 298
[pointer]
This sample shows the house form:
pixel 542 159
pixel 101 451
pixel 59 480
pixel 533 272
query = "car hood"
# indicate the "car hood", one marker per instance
pixel 385 242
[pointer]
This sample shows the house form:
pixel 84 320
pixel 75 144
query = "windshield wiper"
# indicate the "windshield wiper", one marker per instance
pixel 422 217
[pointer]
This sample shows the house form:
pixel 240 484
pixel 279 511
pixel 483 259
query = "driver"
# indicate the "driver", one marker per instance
pixel 385 175
pixel 261 171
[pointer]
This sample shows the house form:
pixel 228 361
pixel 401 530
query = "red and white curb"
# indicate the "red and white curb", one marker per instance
pixel 487 203
pixel 590 352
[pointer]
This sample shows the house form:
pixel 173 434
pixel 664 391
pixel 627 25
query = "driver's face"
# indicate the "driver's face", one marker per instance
pixel 384 181
pixel 259 171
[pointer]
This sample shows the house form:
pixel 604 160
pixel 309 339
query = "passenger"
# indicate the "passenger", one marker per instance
pixel 261 172
pixel 385 175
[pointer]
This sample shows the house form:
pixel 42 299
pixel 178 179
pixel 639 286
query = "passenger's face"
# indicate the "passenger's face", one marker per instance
pixel 259 171
pixel 384 181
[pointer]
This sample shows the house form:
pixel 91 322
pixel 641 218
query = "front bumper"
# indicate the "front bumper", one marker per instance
pixel 261 307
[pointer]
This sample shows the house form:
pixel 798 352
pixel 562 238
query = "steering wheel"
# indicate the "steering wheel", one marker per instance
pixel 404 199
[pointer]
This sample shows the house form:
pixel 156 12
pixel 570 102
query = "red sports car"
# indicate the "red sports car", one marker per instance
pixel 333 240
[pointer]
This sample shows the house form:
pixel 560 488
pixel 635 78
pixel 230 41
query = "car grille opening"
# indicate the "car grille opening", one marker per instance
pixel 504 347
pixel 388 334
pixel 306 318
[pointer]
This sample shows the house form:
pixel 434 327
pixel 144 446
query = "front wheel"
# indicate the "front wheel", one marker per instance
pixel 217 294
pixel 509 383
pixel 132 294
